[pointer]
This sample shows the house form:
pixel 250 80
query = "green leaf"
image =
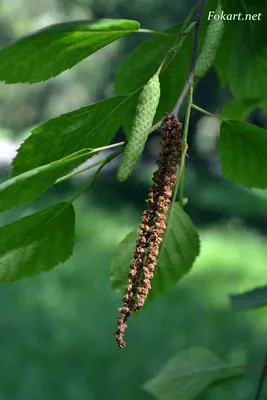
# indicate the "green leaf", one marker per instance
pixel 36 243
pixel 178 251
pixel 186 375
pixel 89 127
pixel 252 299
pixel 243 153
pixel 142 63
pixel 242 60
pixel 238 109
pixel 28 186
pixel 49 51
pixel 232 377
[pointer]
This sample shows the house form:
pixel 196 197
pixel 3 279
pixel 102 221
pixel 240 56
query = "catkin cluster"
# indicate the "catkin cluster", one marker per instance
pixel 152 225
pixel 145 112
pixel 211 44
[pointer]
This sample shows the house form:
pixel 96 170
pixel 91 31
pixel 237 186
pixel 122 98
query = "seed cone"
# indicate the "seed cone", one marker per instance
pixel 152 226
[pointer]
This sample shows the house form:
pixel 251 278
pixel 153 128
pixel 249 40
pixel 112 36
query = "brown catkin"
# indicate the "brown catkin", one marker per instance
pixel 152 225
pixel 164 179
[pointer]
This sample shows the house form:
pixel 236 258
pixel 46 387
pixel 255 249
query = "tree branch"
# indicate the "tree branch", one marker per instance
pixel 190 78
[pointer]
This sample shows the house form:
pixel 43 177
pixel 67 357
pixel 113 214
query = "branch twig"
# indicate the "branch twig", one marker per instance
pixel 190 78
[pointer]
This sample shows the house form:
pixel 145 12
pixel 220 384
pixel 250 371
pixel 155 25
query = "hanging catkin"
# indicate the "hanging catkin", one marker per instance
pixel 152 226
pixel 145 113
pixel 211 44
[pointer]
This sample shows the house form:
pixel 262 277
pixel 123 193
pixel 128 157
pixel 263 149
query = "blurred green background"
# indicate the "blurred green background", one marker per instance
pixel 57 330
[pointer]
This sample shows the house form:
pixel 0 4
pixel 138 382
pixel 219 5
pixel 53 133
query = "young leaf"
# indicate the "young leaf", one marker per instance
pixel 144 61
pixel 253 298
pixel 28 186
pixel 36 243
pixel 177 254
pixel 89 127
pixel 242 60
pixel 243 153
pixel 186 375
pixel 238 109
pixel 49 51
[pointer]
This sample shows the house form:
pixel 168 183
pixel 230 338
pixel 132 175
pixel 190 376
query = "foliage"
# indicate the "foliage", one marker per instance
pixel 187 374
pixel 178 251
pixel 58 47
pixel 40 241
pixel 36 243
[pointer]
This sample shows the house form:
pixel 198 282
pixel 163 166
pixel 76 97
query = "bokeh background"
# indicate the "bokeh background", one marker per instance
pixel 57 329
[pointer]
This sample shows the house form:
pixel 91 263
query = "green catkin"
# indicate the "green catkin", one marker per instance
pixel 211 44
pixel 145 113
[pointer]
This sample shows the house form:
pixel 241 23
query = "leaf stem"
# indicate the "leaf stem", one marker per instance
pixel 154 127
pixel 104 163
pixel 177 47
pixel 110 146
pixel 190 78
pixel 205 111
pixel 70 175
pixel 161 33
pixel 180 177
pixel 184 144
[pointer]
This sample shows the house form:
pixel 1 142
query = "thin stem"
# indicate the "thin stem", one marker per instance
pixel 177 47
pixel 161 33
pixel 161 65
pixel 154 127
pixel 180 178
pixel 104 163
pixel 178 43
pixel 70 175
pixel 110 146
pixel 184 142
pixel 261 380
pixel 190 78
pixel 205 111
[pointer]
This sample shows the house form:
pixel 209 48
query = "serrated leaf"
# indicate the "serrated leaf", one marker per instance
pixel 243 153
pixel 186 375
pixel 56 48
pixel 28 186
pixel 238 109
pixel 251 299
pixel 36 243
pixel 144 60
pixel 242 60
pixel 178 251
pixel 89 127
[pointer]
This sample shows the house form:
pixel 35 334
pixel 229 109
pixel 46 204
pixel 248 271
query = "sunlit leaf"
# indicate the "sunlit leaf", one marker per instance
pixel 89 127
pixel 28 186
pixel 49 51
